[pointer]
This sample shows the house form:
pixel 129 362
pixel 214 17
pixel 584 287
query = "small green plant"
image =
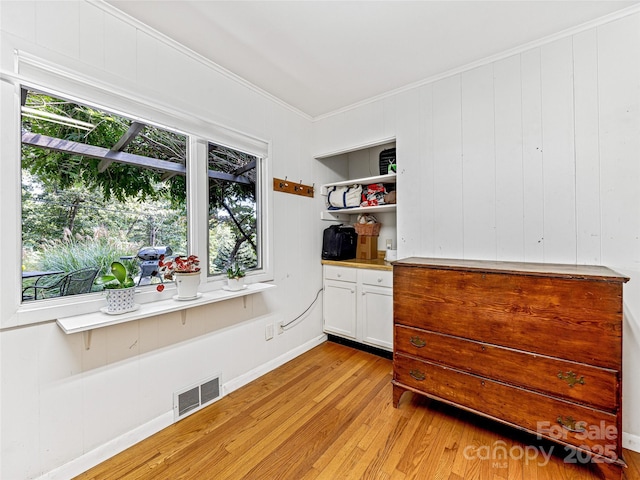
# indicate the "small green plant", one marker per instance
pixel 119 277
pixel 235 272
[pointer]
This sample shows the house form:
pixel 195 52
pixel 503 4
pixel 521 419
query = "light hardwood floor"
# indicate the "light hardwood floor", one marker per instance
pixel 328 414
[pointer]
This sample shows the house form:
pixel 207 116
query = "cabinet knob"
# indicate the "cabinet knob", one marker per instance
pixel 379 279
pixel 339 275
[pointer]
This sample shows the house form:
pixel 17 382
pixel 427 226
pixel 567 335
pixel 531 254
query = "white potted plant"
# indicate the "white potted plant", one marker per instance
pixel 235 277
pixel 185 271
pixel 120 289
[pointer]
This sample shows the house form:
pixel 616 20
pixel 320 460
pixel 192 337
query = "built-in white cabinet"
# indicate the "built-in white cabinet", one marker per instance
pixel 358 305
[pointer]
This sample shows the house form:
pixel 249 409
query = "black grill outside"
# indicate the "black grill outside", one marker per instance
pixel 149 258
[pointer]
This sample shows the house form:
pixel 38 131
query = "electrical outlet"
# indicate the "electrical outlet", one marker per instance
pixel 268 331
pixel 280 328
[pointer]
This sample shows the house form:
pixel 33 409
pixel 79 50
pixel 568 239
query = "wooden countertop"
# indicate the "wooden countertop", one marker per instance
pixel 373 264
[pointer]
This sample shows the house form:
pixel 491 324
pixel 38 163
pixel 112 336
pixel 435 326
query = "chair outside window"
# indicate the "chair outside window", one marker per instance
pixel 74 283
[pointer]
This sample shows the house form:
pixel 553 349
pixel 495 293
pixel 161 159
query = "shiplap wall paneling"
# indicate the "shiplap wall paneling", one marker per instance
pixel 61 396
pixel 23 384
pixel 558 152
pixel 120 54
pixel 426 246
pixel 392 115
pixel 48 17
pixel 532 157
pixel 148 67
pixel 478 164
pixel 412 185
pixel 619 104
pixel 509 170
pixel 185 83
pixel 18 19
pixel 345 131
pixel 92 25
pixel 587 145
pixel 447 159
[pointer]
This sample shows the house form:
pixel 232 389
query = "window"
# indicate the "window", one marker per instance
pixel 96 187
pixel 234 236
pixel 99 184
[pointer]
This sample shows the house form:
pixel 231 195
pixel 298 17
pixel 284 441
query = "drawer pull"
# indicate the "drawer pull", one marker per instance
pixel 571 378
pixel 417 342
pixel 417 374
pixel 570 424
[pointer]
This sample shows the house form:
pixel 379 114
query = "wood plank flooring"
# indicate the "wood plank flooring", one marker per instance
pixel 328 414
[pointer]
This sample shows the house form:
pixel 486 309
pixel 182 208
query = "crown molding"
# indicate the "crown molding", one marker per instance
pixel 487 60
pixel 119 14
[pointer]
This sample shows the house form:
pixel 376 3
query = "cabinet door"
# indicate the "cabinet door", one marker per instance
pixel 340 308
pixel 376 316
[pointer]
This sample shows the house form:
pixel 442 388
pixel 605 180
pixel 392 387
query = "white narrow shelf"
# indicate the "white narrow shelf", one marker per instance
pixel 91 321
pixel 388 178
pixel 342 215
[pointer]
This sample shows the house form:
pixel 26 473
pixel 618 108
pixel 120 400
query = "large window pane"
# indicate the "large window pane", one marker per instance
pixel 96 187
pixel 234 236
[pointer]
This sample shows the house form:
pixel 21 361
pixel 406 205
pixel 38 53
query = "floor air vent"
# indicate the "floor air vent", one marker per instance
pixel 196 397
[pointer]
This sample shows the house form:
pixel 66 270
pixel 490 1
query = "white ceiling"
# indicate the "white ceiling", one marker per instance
pixel 320 56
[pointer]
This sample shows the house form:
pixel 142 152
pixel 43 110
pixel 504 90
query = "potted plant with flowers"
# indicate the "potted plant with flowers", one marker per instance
pixel 235 277
pixel 185 271
pixel 120 289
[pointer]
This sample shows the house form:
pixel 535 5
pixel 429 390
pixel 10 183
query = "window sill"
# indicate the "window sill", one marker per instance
pixel 91 321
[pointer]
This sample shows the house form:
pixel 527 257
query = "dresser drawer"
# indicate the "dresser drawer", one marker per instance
pixel 380 278
pixel 594 430
pixel 552 316
pixel 570 380
pixel 343 274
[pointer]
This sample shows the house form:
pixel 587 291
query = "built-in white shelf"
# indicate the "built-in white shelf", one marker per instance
pixel 90 321
pixel 388 178
pixel 342 215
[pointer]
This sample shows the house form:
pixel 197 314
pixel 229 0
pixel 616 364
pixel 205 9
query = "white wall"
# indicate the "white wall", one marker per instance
pixel 533 157
pixel 61 403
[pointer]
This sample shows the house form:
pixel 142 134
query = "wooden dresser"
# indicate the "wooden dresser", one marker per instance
pixel 535 346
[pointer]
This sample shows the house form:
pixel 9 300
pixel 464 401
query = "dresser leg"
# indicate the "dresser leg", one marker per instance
pixel 397 393
pixel 609 471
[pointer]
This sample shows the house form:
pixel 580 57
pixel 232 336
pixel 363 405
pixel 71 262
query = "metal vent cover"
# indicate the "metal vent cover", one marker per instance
pixel 195 397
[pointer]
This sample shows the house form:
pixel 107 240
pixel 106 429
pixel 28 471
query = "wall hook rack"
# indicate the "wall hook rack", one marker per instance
pixel 287 186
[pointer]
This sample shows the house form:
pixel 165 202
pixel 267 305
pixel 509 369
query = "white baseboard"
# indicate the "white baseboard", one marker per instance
pixel 98 455
pixel 250 376
pixel 631 442
pixel 90 459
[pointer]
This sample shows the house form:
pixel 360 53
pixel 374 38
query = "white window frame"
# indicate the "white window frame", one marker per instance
pixel 58 82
